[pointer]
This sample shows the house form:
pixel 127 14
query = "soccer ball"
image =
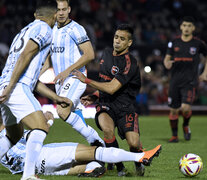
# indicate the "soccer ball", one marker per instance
pixel 190 165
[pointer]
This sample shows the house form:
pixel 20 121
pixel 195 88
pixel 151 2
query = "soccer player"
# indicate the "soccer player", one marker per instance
pixel 182 58
pixel 19 78
pixel 71 158
pixel 71 49
pixel 120 83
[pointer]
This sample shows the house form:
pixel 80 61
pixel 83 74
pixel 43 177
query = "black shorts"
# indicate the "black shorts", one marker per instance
pixel 125 119
pixel 178 95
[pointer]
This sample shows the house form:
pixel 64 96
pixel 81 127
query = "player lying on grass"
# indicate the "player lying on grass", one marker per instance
pixel 71 158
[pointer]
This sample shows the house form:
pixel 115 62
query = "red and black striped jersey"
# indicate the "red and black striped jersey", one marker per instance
pixel 126 70
pixel 186 57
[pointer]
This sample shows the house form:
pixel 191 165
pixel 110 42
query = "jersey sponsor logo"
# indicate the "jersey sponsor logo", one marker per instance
pixel 104 77
pixel 183 59
pixel 58 49
pixel 114 70
pixel 176 49
pixel 192 50
pixel 128 125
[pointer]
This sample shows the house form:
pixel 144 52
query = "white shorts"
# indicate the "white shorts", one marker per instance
pixel 72 89
pixel 56 158
pixel 20 104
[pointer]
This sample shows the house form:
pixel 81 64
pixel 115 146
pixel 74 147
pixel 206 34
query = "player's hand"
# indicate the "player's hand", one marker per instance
pixel 168 64
pixel 203 77
pixel 79 75
pixel 60 78
pixel 48 115
pixel 5 94
pixel 63 101
pixel 88 99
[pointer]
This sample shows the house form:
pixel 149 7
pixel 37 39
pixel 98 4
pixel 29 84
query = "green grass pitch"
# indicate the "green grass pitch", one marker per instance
pixel 154 130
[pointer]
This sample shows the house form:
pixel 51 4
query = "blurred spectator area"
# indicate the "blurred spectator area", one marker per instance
pixel 155 22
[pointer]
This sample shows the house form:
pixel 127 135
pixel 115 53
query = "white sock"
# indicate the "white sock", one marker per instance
pixel 33 148
pixel 114 155
pixel 93 136
pixel 5 145
pixel 92 165
pixel 80 126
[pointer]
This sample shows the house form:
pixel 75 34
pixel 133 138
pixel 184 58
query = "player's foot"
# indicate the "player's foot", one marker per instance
pixel 123 172
pixel 31 178
pixel 97 172
pixel 140 169
pixel 98 143
pixel 187 132
pixel 173 139
pixel 149 155
pixel 110 166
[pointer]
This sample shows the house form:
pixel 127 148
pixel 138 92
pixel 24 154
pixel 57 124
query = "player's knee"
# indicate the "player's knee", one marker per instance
pixel 108 133
pixel 63 114
pixel 186 110
pixel 174 112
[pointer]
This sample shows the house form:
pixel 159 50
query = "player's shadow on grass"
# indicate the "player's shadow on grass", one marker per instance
pixel 167 139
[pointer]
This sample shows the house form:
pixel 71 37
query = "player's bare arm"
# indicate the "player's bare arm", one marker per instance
pixel 87 56
pixel 203 76
pixel 168 62
pixel 108 87
pixel 45 91
pixel 30 50
pixel 46 65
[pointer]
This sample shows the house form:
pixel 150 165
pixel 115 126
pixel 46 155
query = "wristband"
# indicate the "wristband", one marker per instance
pixel 87 81
pixel 50 122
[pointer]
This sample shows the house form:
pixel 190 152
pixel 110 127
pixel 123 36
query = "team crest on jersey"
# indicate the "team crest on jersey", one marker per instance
pixel 114 70
pixel 192 50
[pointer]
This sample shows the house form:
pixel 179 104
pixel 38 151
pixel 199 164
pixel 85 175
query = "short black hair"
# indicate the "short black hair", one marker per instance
pixel 188 19
pixel 68 1
pixel 45 7
pixel 46 4
pixel 126 27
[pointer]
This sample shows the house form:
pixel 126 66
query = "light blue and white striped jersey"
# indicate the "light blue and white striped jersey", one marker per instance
pixel 41 33
pixel 65 50
pixel 15 157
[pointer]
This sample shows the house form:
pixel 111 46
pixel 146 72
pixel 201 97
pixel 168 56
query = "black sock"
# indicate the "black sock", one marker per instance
pixel 174 127
pixel 186 118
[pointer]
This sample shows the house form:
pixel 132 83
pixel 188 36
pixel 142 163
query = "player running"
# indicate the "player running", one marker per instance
pixel 183 58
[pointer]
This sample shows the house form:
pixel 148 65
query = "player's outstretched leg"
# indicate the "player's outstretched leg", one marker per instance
pixel 78 123
pixel 115 155
pixel 149 155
